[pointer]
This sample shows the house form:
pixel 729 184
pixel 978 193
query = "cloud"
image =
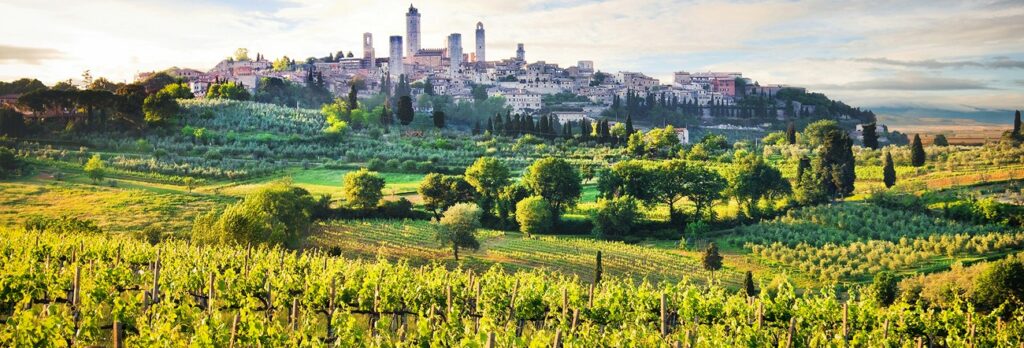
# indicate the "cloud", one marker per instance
pixel 1004 63
pixel 28 55
pixel 909 82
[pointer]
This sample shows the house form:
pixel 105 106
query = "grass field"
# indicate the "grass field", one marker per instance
pixel 328 181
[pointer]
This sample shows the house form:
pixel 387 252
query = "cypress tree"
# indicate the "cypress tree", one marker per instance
pixel 629 125
pixel 940 140
pixel 801 169
pixel 490 126
pixel 870 136
pixel 791 133
pixel 405 111
pixel 567 130
pixel 1016 123
pixel 353 99
pixel 598 269
pixel 748 284
pixel 917 155
pixel 889 171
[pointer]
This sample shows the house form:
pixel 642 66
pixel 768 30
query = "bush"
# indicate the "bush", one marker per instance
pixel 10 165
pixel 278 214
pixel 534 215
pixel 375 164
pixel 393 164
pixel 885 288
pixel 615 218
pixel 400 209
pixel 61 225
pixel 1002 282
pixel 362 189
pixel 408 166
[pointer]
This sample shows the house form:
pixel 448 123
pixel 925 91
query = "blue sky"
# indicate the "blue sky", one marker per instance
pixel 944 57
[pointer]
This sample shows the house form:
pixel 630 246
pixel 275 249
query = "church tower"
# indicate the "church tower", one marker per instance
pixel 369 56
pixel 481 54
pixel 412 31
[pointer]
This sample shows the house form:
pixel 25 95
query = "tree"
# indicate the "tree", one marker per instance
pixel 161 107
pixel 1016 123
pixel 428 88
pixel 458 227
pixel 439 192
pixel 835 165
pixel 353 97
pixel 361 189
pixel 556 180
pixel 598 268
pixel 95 168
pixel 885 287
pixel 488 175
pixel 241 54
pixel 228 90
pixel 748 284
pixel 190 183
pixel 12 123
pixel 917 155
pixel 405 111
pixel 889 171
pixel 704 186
pixel 507 199
pixel 791 133
pixel 711 260
pixel 438 118
pixel 940 140
pixel 814 133
pixel 10 165
pixel 753 180
pixel 615 218
pixel 534 215
pixel 870 136
pixel 1002 282
pixel 629 125
pixel 277 214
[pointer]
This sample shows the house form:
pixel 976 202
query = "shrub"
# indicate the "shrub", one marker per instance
pixel 400 209
pixel 1002 282
pixel 408 166
pixel 533 215
pixel 61 225
pixel 615 218
pixel 885 288
pixel 375 164
pixel 393 164
pixel 278 214
pixel 362 189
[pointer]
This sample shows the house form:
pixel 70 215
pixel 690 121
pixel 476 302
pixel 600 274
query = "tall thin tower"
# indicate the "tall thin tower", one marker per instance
pixel 521 53
pixel 395 65
pixel 455 52
pixel 369 56
pixel 412 31
pixel 481 54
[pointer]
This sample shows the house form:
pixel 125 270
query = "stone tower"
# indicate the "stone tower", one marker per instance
pixel 481 54
pixel 395 65
pixel 369 56
pixel 412 31
pixel 455 51
pixel 521 53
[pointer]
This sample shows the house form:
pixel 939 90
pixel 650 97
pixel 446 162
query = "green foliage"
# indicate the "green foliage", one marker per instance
pixel 917 155
pixel 753 180
pixel 362 189
pixel 889 171
pixel 488 175
pixel 940 140
pixel 711 260
pixel 95 168
pixel 615 218
pixel 228 90
pixel 534 215
pixel 748 284
pixel 10 164
pixel 63 225
pixel 508 197
pixel 278 214
pixel 404 110
pixel 884 288
pixel 162 106
pixel 439 192
pixel 1002 283
pixel 458 227
pixel 556 180
pixel 12 123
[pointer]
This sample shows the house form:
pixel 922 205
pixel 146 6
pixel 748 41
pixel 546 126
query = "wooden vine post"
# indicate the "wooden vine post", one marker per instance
pixel 115 340
pixel 792 332
pixel 294 322
pixel 234 330
pixel 490 341
pixel 846 327
pixel 664 319
pixel 210 293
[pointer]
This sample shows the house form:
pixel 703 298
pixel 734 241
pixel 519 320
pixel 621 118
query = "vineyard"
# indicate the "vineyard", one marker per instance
pixel 414 241
pixel 854 240
pixel 103 290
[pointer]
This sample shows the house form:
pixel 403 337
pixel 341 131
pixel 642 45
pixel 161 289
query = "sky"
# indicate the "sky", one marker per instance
pixel 909 58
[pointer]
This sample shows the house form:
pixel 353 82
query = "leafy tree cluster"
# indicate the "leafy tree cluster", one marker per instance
pixel 279 214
